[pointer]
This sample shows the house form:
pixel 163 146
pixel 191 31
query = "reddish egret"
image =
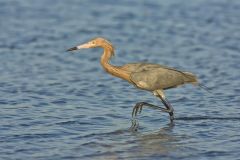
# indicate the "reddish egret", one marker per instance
pixel 146 76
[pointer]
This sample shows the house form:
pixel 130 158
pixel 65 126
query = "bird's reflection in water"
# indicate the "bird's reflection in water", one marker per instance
pixel 135 125
pixel 160 142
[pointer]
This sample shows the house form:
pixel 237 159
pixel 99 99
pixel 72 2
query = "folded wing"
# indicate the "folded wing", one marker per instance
pixel 153 77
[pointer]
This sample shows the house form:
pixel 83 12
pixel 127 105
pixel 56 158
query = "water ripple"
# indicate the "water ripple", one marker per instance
pixel 56 105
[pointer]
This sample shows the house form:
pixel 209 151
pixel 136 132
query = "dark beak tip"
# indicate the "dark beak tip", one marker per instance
pixel 72 49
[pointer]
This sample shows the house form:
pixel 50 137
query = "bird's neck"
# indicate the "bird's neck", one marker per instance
pixel 113 70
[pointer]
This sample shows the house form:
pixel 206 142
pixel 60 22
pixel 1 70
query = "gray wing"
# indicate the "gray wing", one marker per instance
pixel 139 67
pixel 153 76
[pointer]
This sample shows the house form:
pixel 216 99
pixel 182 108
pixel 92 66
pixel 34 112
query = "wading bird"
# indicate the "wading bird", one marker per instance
pixel 146 76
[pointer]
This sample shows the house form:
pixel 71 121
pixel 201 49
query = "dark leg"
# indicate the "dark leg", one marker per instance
pixel 138 108
pixel 159 93
pixel 168 106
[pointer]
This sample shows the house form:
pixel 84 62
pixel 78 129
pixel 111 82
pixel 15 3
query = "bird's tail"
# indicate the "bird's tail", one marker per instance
pixel 191 78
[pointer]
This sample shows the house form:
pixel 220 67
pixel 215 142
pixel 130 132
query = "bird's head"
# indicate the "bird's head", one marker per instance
pixel 96 42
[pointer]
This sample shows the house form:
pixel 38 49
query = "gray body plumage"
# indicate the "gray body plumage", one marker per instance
pixel 153 77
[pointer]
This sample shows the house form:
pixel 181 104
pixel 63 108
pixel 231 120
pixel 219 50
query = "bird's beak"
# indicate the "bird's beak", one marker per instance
pixel 72 49
pixel 85 45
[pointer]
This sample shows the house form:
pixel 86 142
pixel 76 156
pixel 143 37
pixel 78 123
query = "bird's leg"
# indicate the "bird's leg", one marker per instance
pixel 138 108
pixel 159 93
pixel 164 100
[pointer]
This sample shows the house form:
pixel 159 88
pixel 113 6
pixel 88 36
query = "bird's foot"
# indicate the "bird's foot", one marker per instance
pixel 134 126
pixel 137 109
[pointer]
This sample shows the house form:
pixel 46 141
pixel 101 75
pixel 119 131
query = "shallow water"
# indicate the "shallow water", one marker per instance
pixel 56 105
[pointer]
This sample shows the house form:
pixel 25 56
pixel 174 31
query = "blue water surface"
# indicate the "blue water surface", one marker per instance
pixel 57 105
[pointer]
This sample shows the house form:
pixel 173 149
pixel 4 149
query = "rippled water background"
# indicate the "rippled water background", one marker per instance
pixel 56 105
